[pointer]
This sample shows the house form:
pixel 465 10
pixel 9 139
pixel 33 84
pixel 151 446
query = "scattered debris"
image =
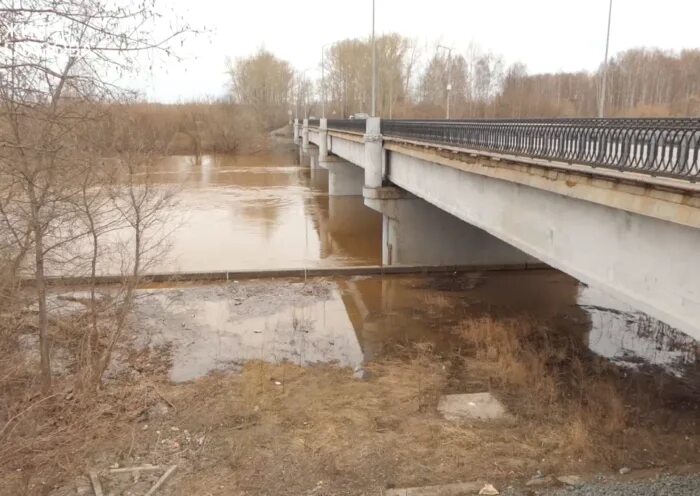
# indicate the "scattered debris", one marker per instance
pixel 456 489
pixel 157 411
pixel 488 489
pixel 539 481
pixel 138 468
pixel 160 395
pixel 570 480
pixel 162 480
pixel 96 485
pixel 482 406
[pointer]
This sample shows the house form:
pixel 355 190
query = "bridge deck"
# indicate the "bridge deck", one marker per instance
pixel 654 147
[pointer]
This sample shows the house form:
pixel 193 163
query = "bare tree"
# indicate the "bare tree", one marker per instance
pixel 58 60
pixel 263 81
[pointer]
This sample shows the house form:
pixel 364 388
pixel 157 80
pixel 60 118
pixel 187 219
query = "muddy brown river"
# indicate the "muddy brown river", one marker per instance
pixel 262 211
pixel 267 211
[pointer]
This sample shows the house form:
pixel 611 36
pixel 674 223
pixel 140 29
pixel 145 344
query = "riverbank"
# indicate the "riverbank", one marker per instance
pixel 306 422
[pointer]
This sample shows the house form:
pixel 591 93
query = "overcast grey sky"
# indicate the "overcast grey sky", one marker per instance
pixel 546 35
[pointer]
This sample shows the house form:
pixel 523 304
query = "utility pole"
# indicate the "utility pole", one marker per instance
pixel 374 68
pixel 601 103
pixel 449 85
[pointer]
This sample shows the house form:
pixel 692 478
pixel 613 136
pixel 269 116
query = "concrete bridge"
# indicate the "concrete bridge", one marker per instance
pixel 613 202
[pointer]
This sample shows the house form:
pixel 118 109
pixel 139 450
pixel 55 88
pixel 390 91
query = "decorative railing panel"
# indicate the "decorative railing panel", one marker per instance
pixel 349 125
pixel 663 147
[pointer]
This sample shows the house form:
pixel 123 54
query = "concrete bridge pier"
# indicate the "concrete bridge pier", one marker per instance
pixel 344 178
pixel 374 154
pixel 323 140
pixel 312 156
pixel 416 232
pixel 296 132
pixel 318 178
pixel 305 136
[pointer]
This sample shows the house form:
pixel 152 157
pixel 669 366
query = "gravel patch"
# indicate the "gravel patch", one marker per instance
pixel 672 485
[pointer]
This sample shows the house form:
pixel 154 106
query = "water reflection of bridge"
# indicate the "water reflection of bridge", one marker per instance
pixel 393 312
pixel 386 311
pixel 347 230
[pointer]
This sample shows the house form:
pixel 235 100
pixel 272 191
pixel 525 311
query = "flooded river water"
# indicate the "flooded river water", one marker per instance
pixel 263 211
pixel 268 211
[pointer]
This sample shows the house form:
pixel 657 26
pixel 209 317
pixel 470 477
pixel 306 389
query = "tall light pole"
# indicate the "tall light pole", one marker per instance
pixel 374 68
pixel 300 80
pixel 601 103
pixel 323 79
pixel 449 73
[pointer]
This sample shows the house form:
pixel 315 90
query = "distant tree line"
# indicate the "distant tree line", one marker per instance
pixel 413 83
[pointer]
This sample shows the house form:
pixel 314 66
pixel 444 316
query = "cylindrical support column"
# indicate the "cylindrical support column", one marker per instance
pixel 305 136
pixel 374 175
pixel 323 140
pixel 296 131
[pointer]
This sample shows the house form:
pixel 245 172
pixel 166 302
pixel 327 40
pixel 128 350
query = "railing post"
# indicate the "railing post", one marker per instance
pixel 296 131
pixel 374 175
pixel 305 136
pixel 323 140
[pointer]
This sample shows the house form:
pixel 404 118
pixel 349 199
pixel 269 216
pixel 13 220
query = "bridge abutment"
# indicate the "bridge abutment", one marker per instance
pixel 414 232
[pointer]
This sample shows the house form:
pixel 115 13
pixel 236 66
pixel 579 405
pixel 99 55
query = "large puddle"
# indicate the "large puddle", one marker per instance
pixel 354 320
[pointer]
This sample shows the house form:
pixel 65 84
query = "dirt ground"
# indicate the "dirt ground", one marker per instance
pixel 281 429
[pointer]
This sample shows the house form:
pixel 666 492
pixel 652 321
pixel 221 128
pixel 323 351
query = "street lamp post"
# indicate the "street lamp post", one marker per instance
pixel 300 79
pixel 449 85
pixel 601 103
pixel 374 68
pixel 323 79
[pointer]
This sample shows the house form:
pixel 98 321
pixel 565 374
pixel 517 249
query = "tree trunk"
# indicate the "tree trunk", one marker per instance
pixel 39 276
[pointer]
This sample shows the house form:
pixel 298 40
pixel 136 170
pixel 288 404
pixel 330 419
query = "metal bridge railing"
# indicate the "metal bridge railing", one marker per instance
pixel 663 147
pixel 348 125
pixel 314 122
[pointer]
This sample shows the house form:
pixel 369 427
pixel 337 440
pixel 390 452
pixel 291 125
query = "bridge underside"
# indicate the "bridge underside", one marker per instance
pixel 642 259
pixel 618 238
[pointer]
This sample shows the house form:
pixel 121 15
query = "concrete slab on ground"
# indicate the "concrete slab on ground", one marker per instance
pixel 457 489
pixel 475 406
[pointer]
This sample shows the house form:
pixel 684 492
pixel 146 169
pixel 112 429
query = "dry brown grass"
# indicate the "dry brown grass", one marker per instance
pixel 594 410
pixel 282 429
